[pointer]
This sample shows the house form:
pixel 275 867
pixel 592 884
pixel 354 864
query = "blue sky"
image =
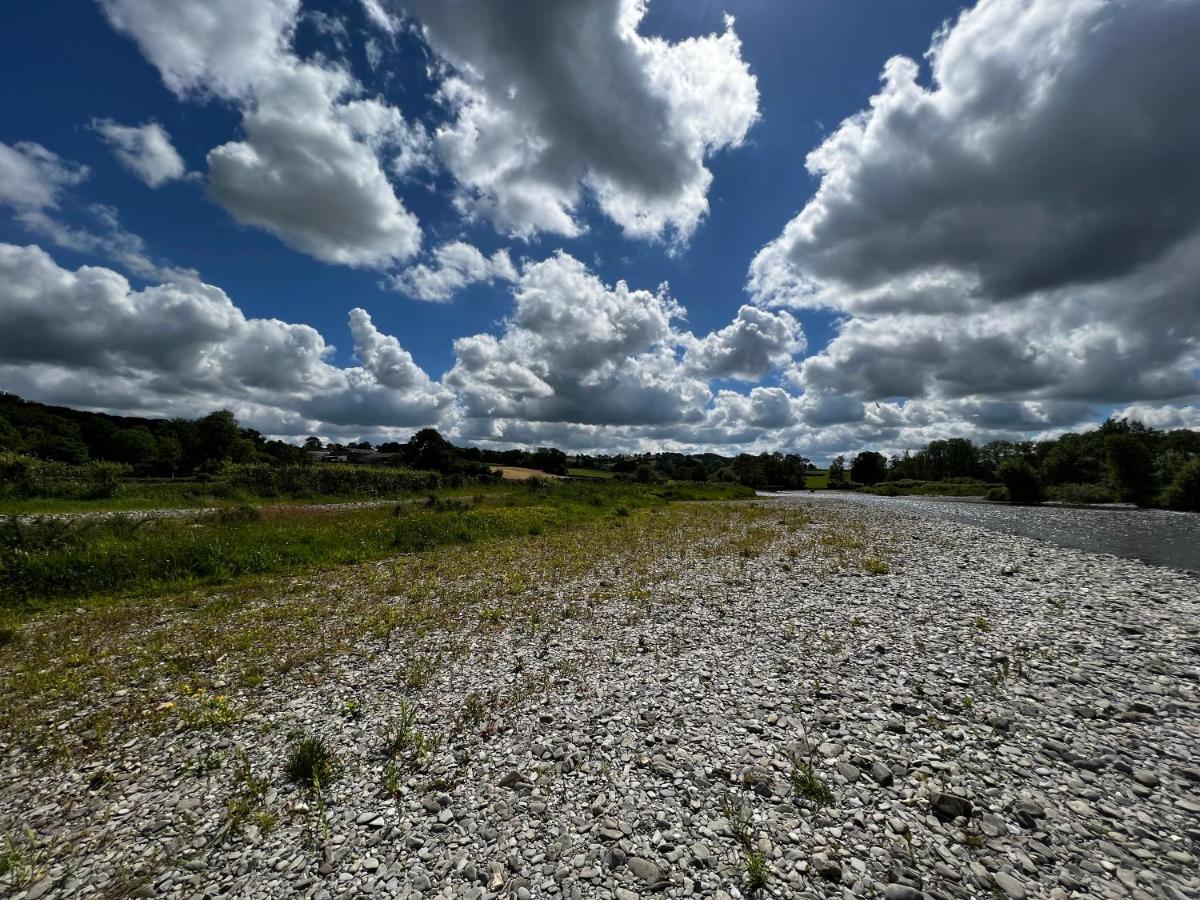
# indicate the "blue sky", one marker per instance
pixel 861 276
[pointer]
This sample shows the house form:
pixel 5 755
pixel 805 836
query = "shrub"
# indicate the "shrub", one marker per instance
pixel 1020 480
pixel 1184 492
pixel 997 493
pixel 327 480
pixel 1081 493
pixel 311 762
pixel 1130 468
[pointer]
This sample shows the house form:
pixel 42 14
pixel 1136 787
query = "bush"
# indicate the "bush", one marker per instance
pixel 1130 468
pixel 25 476
pixel 1184 492
pixel 997 493
pixel 327 480
pixel 311 762
pixel 1020 481
pixel 1081 493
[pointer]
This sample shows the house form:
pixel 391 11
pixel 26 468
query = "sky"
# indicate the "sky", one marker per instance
pixel 606 225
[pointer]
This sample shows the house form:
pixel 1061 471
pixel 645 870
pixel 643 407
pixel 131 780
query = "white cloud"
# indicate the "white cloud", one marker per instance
pixel 311 165
pixel 1016 241
pixel 455 265
pixel 146 150
pixel 754 344
pixel 551 98
pixel 32 178
pixel 186 345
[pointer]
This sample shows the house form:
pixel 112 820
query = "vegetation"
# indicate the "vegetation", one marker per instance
pixel 311 762
pixel 1020 481
pixel 57 560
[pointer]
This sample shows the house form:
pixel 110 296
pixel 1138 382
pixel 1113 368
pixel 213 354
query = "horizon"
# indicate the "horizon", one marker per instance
pixel 615 227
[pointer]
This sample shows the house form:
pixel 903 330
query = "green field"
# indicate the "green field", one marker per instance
pixel 590 473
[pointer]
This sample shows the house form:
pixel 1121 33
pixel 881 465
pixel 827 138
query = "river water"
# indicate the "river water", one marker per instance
pixel 1155 536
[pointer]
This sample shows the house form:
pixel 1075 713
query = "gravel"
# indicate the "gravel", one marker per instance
pixel 1029 734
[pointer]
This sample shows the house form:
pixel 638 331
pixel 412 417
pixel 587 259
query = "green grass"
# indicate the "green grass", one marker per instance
pixel 816 479
pixel 57 561
pixel 590 473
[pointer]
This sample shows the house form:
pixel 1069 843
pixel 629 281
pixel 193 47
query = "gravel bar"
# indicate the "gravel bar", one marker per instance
pixel 991 716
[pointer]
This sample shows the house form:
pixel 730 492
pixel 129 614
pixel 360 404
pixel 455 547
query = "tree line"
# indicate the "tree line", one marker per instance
pixel 1119 461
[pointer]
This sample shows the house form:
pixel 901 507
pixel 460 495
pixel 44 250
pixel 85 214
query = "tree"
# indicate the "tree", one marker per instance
pixel 1021 480
pixel 1184 492
pixel 1130 467
pixel 868 467
pixel 312 442
pixel 214 436
pixel 135 446
pixel 427 449
pixel 837 470
pixel 550 460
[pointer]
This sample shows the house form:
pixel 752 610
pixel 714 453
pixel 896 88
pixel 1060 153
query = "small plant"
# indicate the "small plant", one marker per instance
pixel 967 702
pixel 247 796
pixel 875 566
pixel 474 712
pixel 807 784
pixel 7 636
pixel 405 746
pixel 982 624
pixel 757 872
pixel 739 821
pixel 311 762
pixel 19 859
pixel 420 671
pixel 352 710
pixel 204 710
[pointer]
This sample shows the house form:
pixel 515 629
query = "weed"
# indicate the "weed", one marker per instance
pixel 738 816
pixel 982 624
pixel 875 566
pixel 967 702
pixel 204 710
pixel 807 784
pixel 311 762
pixel 757 872
pixel 404 745
pixel 352 710
pixel 473 713
pixel 20 858
pixel 420 670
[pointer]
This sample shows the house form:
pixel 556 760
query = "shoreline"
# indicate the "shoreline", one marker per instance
pixel 614 752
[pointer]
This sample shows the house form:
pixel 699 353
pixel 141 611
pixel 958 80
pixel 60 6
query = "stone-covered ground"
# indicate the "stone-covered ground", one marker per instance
pixel 858 704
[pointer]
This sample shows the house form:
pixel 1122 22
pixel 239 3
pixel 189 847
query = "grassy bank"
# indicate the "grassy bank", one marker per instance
pixel 49 562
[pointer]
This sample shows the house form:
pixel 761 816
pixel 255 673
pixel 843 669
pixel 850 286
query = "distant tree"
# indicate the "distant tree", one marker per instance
pixel 1184 492
pixel 214 436
pixel 312 442
pixel 168 453
pixel 549 460
pixel 391 447
pixel 1130 467
pixel 1019 477
pixel 645 474
pixel 837 470
pixel 868 467
pixel 10 438
pixel 135 446
pixel 427 449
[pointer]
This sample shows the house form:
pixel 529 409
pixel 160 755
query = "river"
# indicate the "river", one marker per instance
pixel 1155 536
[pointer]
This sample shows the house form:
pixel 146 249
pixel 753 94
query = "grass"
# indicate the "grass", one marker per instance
pixel 807 784
pixel 57 561
pixel 129 663
pixel 311 762
pixel 590 473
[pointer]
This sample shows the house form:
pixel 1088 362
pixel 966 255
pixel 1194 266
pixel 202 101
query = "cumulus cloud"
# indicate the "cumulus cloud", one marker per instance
pixel 310 167
pixel 454 266
pixel 588 365
pixel 146 150
pixel 186 343
pixel 551 98
pixel 754 344
pixel 1021 235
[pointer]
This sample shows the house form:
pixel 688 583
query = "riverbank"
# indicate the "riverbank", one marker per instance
pixel 986 713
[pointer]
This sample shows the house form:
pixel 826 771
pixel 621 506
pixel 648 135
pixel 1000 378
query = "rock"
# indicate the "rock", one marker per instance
pixel 1027 813
pixel 1011 887
pixel 646 870
pixel 992 825
pixel 949 806
pixel 882 774
pixel 848 771
pixel 1145 778
pixel 902 892
pixel 827 868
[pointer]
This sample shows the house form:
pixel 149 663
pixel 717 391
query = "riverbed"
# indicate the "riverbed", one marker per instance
pixel 1155 536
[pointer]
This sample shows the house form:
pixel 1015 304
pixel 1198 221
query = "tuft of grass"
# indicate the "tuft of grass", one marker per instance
pixel 311 762
pixel 757 873
pixel 875 566
pixel 982 624
pixel 405 745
